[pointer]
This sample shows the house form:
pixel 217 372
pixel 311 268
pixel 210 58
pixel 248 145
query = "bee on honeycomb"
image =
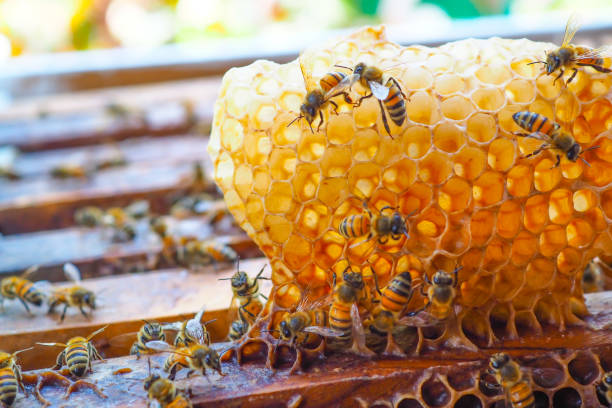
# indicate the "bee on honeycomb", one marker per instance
pixel 521 229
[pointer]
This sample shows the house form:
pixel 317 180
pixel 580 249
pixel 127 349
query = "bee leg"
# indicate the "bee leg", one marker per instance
pixel 263 296
pixel 384 118
pixel 335 105
pixel 52 306
pixel 571 78
pixel 455 273
pixel 358 104
pixel 558 162
pixel 95 353
pixel 596 67
pixel 64 312
pixel 83 312
pixel 24 303
pixel 559 76
pixel 321 121
pixel 415 312
pixel 426 278
pixel 59 362
pixel 173 371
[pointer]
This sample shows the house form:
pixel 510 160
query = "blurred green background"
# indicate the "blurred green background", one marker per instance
pixel 35 26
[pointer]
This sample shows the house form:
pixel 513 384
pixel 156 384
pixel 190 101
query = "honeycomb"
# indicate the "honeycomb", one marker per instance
pixel 522 229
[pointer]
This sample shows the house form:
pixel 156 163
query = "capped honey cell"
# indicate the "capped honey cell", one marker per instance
pixel 523 228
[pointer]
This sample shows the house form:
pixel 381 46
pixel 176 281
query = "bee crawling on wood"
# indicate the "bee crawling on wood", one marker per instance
pixel 74 296
pixel 149 331
pixel 389 94
pixel 196 357
pixel 78 354
pixel 19 287
pixel 10 377
pixel 570 56
pixel 164 391
pixel 70 170
pixel 551 133
pixel 191 331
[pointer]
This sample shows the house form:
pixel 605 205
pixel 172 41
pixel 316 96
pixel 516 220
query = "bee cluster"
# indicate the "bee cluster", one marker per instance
pixel 415 198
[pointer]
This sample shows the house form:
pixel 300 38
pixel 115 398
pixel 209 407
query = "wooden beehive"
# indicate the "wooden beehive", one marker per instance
pixel 36 220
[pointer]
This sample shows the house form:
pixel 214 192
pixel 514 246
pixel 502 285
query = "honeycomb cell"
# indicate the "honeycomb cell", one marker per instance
pixel 540 273
pixel 481 127
pixel 521 67
pixel 474 326
pixel 566 107
pixel 421 108
pixel 469 163
pixel 495 74
pixel 449 84
pixel 255 211
pixel 546 176
pixel 508 281
pixel 399 176
pixel 456 107
pixel 481 227
pixel 435 168
pixel 291 101
pixel 336 162
pixel 584 199
pixel 431 223
pixel 567 398
pixel 455 240
pixel 417 78
pixel 509 219
pixel 581 131
pixel 488 189
pixel 547 372
pixel 262 115
pixel 409 403
pixel 284 135
pixel 583 368
pixel 416 198
pixel 261 180
pixel 519 180
pixel 287 296
pixel 232 135
pixel 333 191
pixel 501 154
pixel 435 393
pixel 282 163
pixel 311 147
pixel 542 107
pixel 579 233
pixel 297 252
pixel 520 91
pixel 313 220
pixel 454 195
pixel 340 129
pixel 278 228
pixel 328 249
pixel 363 179
pixel 418 141
pixel 279 198
pixel 560 209
pixel 504 118
pixel 459 381
pixel 243 181
pixel 524 247
pixel 598 116
pixel 552 240
pixel 448 137
pixel 568 261
pixel 306 180
pixel 541 399
pixel 604 151
pixel 596 218
pixel 547 87
pixel 536 213
pixel 365 145
pixel 488 99
pixel 496 254
pixel 468 401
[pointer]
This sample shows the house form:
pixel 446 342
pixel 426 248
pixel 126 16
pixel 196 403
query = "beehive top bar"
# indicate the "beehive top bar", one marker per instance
pixel 522 229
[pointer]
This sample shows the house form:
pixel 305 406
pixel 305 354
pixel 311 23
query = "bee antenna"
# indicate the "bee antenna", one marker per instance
pixel 536 62
pixel 238 263
pixel 342 66
pixel 298 118
pixel 585 162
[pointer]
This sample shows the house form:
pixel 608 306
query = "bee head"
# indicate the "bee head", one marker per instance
pixel 212 360
pixel 352 279
pixel 156 330
pixel 398 225
pixel 552 62
pixel 441 278
pixel 359 68
pixel 285 331
pixel 89 299
pixel 573 152
pixel 608 379
pixel 148 382
pixel 239 280
pixel 498 360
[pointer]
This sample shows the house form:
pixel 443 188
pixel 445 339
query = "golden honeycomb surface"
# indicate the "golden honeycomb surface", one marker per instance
pixel 522 229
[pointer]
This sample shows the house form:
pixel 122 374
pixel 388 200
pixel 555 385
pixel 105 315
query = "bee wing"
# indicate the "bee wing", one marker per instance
pixel 44 286
pixel 538 136
pixel 358 332
pixel 308 303
pixel 601 52
pixel 309 82
pixel 573 24
pixel 174 326
pixel 30 271
pixel 419 320
pixel 323 331
pixel 123 340
pixel 346 83
pixel 72 272
pixel 159 346
pixel 194 329
pixel 380 91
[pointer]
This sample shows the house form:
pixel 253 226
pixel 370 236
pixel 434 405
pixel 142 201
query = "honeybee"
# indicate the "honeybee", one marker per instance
pixel 19 287
pixel 553 136
pixel 317 99
pixel 440 294
pixel 238 328
pixel 306 323
pixel 196 252
pixel 89 216
pixel 8 155
pixel 604 389
pixel 344 316
pixel 196 204
pixel 509 376
pixel 246 294
pixel 570 56
pixel 164 391
pixel 10 377
pixel 196 357
pixel 191 331
pixel 387 93
pixel 121 223
pixel 388 223
pixel 148 332
pixel 69 170
pixel 394 298
pixel 78 354
pixel 592 278
pixel 74 296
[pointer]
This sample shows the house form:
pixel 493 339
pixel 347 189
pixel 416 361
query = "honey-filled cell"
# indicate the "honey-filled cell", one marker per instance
pixel 523 228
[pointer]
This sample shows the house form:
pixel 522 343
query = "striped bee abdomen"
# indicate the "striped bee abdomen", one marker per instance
pixel 534 122
pixel 8 386
pixel 397 293
pixel 77 359
pixel 395 104
pixel 355 226
pixel 330 80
